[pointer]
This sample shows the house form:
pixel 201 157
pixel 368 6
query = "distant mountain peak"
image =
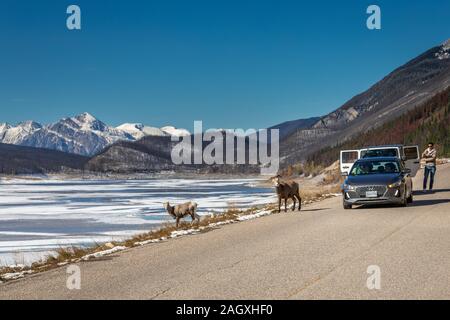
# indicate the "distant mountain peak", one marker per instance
pixel 5 125
pixel 30 125
pixel 86 117
pixel 88 122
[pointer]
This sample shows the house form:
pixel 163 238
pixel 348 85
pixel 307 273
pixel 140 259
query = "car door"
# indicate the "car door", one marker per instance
pixel 347 159
pixel 412 159
pixel 407 179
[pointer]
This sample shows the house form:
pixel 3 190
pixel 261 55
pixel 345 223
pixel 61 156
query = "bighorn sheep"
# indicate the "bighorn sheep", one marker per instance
pixel 182 210
pixel 286 190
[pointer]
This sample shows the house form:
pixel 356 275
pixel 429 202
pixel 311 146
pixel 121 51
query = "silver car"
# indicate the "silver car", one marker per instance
pixel 377 181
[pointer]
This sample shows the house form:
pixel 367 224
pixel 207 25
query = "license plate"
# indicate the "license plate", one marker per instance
pixel 371 194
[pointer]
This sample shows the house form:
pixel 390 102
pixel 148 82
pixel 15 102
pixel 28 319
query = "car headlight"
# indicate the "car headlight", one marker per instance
pixel 395 184
pixel 348 187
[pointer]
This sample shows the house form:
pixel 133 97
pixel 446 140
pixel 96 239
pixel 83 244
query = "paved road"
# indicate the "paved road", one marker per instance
pixel 324 252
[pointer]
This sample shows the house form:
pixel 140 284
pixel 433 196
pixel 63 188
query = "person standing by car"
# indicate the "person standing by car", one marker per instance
pixel 429 156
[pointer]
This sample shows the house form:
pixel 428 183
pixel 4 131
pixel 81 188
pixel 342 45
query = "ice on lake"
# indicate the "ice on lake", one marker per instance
pixel 38 216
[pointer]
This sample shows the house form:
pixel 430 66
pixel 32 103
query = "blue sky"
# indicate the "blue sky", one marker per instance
pixel 232 64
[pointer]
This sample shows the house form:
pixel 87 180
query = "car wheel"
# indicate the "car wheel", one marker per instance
pixel 347 206
pixel 404 202
pixel 410 198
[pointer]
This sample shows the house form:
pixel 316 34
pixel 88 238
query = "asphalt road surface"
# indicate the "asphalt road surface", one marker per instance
pixel 324 252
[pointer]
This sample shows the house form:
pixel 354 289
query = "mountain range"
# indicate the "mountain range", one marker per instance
pixel 83 134
pixel 136 147
pixel 400 91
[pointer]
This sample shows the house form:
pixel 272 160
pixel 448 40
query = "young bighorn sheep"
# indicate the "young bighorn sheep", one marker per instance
pixel 182 210
pixel 286 190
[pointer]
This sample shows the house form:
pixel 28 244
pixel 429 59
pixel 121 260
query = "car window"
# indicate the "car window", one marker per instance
pixel 349 156
pixel 375 167
pixel 411 153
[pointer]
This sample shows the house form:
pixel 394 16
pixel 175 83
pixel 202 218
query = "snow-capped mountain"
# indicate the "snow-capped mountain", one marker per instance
pixel 16 135
pixel 172 131
pixel 83 134
pixel 138 130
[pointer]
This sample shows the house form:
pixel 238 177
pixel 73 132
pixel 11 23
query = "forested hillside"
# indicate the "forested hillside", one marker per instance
pixel 429 121
pixel 24 160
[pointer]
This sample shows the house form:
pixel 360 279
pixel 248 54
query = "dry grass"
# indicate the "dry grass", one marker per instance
pixel 68 253
pixel 309 169
pixel 74 254
pixel 319 192
pixel 4 270
pixel 332 178
pixel 164 232
pixel 61 255
pixel 442 161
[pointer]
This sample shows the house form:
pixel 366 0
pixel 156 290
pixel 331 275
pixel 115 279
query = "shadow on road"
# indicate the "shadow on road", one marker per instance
pixel 416 203
pixel 311 210
pixel 104 258
pixel 420 192
pixel 428 202
pixel 374 206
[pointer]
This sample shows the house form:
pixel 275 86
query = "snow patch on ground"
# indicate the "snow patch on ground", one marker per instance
pixel 103 253
pixel 179 233
pixel 16 275
pixel 255 215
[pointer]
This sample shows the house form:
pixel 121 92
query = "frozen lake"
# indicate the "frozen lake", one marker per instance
pixel 38 216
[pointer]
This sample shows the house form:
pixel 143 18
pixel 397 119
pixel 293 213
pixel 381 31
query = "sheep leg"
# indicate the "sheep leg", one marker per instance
pixel 299 202
pixel 194 217
pixel 285 204
pixel 279 204
pixel 293 208
pixel 178 222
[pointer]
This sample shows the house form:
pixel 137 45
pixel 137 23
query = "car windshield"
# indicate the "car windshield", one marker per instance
pixel 372 153
pixel 374 167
